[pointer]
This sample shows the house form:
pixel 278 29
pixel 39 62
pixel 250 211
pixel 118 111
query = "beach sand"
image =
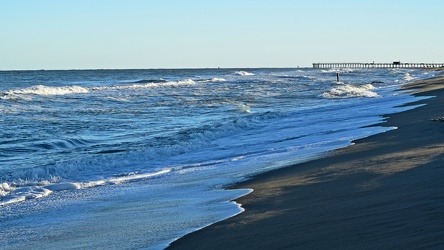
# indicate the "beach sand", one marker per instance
pixel 384 192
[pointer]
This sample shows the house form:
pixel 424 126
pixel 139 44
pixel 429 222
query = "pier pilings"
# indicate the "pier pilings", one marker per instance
pixel 377 65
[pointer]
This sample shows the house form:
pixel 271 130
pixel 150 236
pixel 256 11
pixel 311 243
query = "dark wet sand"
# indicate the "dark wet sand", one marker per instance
pixel 384 192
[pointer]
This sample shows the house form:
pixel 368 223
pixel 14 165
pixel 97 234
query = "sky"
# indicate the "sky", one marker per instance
pixel 136 34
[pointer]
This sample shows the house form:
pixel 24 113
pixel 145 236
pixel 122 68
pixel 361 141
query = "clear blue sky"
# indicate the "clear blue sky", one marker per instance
pixel 85 34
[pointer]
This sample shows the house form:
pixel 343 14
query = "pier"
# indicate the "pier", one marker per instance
pixel 377 65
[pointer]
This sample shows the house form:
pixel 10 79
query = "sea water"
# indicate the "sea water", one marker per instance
pixel 134 159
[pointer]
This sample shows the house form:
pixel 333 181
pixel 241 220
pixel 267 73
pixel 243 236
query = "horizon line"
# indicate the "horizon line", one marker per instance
pixel 166 68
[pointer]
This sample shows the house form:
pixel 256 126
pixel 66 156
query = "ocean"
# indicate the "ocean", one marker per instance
pixel 134 159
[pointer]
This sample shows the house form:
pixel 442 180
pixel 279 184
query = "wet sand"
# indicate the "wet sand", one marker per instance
pixel 384 192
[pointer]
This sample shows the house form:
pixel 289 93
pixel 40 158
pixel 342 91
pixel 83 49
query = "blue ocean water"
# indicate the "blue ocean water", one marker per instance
pixel 119 159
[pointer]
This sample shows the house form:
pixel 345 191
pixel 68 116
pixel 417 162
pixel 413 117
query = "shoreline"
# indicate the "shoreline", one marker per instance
pixel 385 191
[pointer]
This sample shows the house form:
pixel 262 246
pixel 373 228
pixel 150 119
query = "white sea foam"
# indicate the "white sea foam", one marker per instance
pixel 244 73
pixel 121 179
pixel 215 79
pixel 338 83
pixel 339 70
pixel 43 90
pixel 146 85
pixel 20 194
pixel 46 91
pixel 9 194
pixel 349 91
pixel 244 108
pixel 329 70
pixel 183 82
pixel 408 77
pixel 309 77
pixel 5 189
pixel 368 86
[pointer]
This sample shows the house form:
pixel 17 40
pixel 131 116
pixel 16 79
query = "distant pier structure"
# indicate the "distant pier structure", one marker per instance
pixel 377 65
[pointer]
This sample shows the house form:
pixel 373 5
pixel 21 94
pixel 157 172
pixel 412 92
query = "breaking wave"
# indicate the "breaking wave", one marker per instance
pixel 14 193
pixel 151 81
pixel 34 183
pixel 408 77
pixel 244 73
pixel 349 91
pixel 215 79
pixel 147 85
pixel 42 90
pixel 46 91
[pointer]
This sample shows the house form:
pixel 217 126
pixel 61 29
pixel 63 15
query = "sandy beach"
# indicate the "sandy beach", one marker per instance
pixel 384 192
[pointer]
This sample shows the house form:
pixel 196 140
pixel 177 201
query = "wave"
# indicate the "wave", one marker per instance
pixel 13 193
pixel 147 85
pixel 299 77
pixel 60 144
pixel 243 108
pixel 155 151
pixel 42 90
pixel 80 173
pixel 244 73
pixel 408 77
pixel 151 81
pixel 329 70
pixel 339 70
pixel 47 91
pixel 214 79
pixel 349 91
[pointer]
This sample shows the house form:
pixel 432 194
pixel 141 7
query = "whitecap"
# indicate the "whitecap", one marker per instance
pixel 147 85
pixel 329 70
pixel 46 91
pixel 244 108
pixel 368 86
pixel 215 79
pixel 244 73
pixel 5 189
pixel 408 77
pixel 349 91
